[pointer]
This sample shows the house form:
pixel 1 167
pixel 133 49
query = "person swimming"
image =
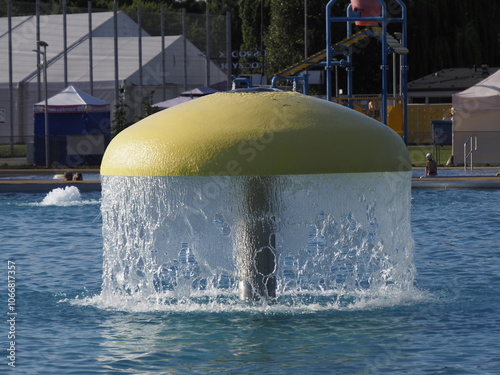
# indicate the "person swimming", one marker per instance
pixel 430 166
pixel 68 176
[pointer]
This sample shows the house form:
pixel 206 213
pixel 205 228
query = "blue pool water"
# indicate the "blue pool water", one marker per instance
pixel 458 172
pixel 451 327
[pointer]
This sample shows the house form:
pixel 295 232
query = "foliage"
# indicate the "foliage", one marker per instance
pixel 253 22
pixel 452 33
pixel 221 7
pixel 284 41
pixel 121 114
pixel 120 120
pixel 418 159
pixel 147 106
pixel 441 34
pixel 19 151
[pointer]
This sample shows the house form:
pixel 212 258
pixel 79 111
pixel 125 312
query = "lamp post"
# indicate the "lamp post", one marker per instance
pixel 43 44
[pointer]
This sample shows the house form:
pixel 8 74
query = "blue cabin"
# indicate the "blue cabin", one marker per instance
pixel 78 129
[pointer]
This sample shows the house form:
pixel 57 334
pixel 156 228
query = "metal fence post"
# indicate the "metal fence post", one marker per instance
pixel 91 58
pixel 115 37
pixel 184 35
pixel 228 51
pixel 139 45
pixel 207 49
pixel 163 59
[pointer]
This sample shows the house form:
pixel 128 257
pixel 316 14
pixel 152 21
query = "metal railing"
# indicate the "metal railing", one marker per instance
pixel 470 145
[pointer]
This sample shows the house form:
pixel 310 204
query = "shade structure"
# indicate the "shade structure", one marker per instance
pixel 173 102
pixel 199 91
pixel 78 129
pixel 475 122
pixel 72 100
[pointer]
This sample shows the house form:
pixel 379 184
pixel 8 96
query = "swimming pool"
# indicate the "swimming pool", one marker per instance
pixel 452 328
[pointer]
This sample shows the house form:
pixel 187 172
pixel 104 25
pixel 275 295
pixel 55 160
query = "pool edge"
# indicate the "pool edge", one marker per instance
pixel 17 186
pixel 42 186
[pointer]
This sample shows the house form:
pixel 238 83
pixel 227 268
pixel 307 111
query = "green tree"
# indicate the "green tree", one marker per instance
pixel 147 106
pixel 284 41
pixel 219 7
pixel 120 118
pixel 452 33
pixel 254 22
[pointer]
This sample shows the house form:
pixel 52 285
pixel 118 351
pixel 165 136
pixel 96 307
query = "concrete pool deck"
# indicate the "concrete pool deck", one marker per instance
pixel 472 182
pixel 14 181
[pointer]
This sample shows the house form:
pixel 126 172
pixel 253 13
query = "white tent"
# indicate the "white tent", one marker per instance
pixel 71 97
pixel 476 122
pixel 186 96
pixel 78 129
pixel 178 66
pixel 173 102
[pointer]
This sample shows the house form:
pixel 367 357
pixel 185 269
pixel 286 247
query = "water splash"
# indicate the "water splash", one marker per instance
pixel 340 241
pixel 70 195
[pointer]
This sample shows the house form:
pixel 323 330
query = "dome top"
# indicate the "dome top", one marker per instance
pixel 255 133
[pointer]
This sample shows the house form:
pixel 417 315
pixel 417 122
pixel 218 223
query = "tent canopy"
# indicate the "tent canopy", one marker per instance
pixel 72 100
pixel 186 96
pixel 199 91
pixel 77 131
pixel 173 102
pixel 484 95
pixel 476 129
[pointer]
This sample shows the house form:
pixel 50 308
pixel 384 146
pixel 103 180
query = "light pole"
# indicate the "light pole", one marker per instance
pixel 43 44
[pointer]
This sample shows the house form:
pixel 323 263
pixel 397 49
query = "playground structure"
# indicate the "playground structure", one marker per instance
pixel 374 17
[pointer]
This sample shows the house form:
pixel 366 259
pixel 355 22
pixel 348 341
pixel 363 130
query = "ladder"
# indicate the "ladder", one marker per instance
pixel 470 145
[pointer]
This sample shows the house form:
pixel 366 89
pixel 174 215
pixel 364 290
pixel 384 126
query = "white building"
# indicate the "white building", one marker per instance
pixel 476 123
pixel 185 65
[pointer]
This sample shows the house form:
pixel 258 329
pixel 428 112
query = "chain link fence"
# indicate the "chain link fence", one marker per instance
pixel 131 59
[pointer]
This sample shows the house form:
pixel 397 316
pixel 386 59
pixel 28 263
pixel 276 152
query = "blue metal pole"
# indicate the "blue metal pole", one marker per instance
pixel 91 56
pixel 115 49
pixel 305 84
pixel 404 68
pixel 139 53
pixel 349 68
pixel 384 65
pixel 328 66
pixel 274 82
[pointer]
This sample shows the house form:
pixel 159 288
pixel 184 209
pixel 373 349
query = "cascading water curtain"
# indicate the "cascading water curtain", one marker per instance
pixel 337 239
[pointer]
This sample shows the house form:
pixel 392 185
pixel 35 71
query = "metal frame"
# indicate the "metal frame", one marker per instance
pixel 350 17
pixel 295 79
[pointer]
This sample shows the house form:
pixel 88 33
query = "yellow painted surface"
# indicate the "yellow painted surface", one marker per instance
pixel 391 42
pixel 395 118
pixel 270 133
pixel 420 117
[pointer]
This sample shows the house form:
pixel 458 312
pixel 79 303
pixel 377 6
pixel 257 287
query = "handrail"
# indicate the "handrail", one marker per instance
pixel 241 80
pixel 472 140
